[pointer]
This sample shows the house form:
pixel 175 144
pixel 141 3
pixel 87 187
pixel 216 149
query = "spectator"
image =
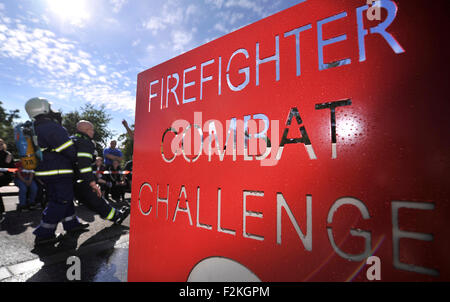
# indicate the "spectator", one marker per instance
pixel 27 186
pixel 112 153
pixel 100 178
pixel 118 181
pixel 129 131
pixel 6 161
pixel 128 177
pixel 129 164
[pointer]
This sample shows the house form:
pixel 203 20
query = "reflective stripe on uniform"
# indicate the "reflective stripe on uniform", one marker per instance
pixel 47 225
pixel 64 146
pixel 84 154
pixel 66 219
pixel 111 214
pixel 53 172
pixel 86 170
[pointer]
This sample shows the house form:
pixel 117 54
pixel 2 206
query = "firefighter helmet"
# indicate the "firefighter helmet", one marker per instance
pixel 37 106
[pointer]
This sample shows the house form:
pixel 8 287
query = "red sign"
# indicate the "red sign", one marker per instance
pixel 296 149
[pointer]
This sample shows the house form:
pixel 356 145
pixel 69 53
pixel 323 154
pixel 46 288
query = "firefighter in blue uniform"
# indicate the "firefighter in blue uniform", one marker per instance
pixel 86 189
pixel 55 170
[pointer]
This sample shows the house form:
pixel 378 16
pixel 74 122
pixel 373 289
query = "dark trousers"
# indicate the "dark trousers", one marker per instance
pixel 85 195
pixel 105 190
pixel 60 208
pixel 118 192
pixel 5 179
pixel 41 196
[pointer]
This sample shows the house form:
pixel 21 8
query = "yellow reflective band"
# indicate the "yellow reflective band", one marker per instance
pixel 64 146
pixel 65 171
pixel 83 154
pixel 53 172
pixel 86 170
pixel 111 214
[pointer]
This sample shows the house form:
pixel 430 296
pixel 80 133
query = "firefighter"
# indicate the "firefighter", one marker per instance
pixel 86 189
pixel 56 171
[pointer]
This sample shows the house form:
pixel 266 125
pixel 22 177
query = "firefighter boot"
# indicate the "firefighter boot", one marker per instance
pixel 79 228
pixel 41 241
pixel 121 215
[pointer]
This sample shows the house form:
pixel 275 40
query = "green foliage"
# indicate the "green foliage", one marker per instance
pixel 7 128
pixel 97 116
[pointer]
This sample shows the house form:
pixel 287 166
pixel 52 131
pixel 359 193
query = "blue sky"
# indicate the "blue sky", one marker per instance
pixel 74 52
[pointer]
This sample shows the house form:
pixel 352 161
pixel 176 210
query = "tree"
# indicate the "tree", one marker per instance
pixel 98 117
pixel 7 128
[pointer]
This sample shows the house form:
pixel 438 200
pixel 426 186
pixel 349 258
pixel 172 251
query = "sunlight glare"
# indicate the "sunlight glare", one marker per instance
pixel 73 11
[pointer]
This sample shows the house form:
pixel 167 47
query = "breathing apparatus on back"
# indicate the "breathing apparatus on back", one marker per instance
pixel 26 143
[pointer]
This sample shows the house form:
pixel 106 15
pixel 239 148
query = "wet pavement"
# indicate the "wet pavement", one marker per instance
pixel 102 250
pixel 110 265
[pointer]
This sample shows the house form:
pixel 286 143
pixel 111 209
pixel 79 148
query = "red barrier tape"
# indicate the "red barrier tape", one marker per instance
pixel 113 172
pixel 14 170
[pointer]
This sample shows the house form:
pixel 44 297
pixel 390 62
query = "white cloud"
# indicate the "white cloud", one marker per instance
pixel 171 14
pixel 236 17
pixel 62 66
pixel 111 22
pixel 180 40
pixel 216 3
pixel 221 28
pixel 75 13
pixel 246 4
pixel 6 20
pixel 136 42
pixel 116 74
pixel 256 6
pixel 229 21
pixel 83 54
pixel 154 24
pixel 176 18
pixel 117 5
pixel 84 76
pixel 191 10
pixel 102 68
pixel 92 71
pixel 74 67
